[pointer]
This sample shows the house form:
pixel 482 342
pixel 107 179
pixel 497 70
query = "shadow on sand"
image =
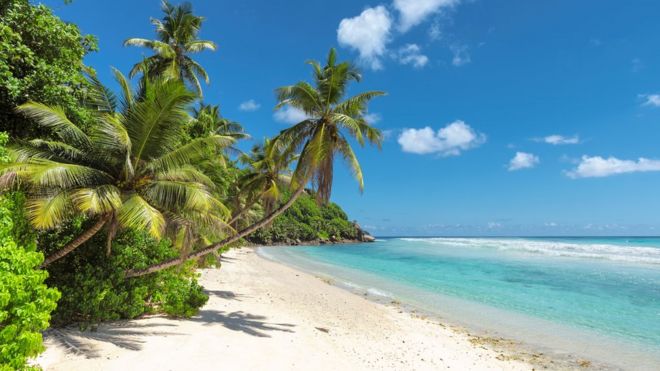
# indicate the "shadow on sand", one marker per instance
pixel 126 335
pixel 250 324
pixel 132 335
pixel 229 295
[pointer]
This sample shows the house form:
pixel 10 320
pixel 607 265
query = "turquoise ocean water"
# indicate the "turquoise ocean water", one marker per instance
pixel 594 297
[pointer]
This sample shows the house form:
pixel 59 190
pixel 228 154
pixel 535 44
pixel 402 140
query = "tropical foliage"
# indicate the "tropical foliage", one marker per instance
pixel 307 221
pixel 130 171
pixel 126 194
pixel 177 38
pixel 322 135
pixel 40 59
pixel 319 138
pixel 25 301
pixel 97 290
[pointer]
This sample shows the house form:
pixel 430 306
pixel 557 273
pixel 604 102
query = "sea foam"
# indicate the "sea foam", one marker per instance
pixel 623 253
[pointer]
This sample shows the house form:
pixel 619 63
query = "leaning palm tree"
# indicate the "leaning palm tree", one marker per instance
pixel 177 38
pixel 322 135
pixel 130 171
pixel 319 138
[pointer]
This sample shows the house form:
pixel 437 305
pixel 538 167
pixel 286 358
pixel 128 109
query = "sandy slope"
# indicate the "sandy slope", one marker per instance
pixel 265 316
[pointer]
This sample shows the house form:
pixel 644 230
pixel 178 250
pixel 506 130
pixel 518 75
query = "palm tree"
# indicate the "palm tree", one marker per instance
pixel 177 38
pixel 319 137
pixel 130 171
pixel 208 120
pixel 264 180
pixel 322 135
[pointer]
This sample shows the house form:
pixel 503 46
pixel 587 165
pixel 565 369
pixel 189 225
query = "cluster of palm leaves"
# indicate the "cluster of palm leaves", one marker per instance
pixel 129 171
pixel 177 38
pixel 145 163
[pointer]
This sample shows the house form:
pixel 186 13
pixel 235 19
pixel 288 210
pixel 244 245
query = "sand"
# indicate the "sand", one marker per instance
pixel 263 315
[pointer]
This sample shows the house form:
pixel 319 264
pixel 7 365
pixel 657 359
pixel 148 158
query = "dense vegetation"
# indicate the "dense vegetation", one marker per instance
pixel 40 59
pixel 25 301
pixel 307 221
pixel 110 201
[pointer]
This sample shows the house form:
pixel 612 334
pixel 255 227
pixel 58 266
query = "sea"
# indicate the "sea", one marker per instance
pixel 571 297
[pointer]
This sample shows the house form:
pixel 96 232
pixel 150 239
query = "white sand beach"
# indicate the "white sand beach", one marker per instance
pixel 265 316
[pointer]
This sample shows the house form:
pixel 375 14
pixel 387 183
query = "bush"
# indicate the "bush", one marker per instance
pixel 305 220
pixel 25 301
pixel 94 288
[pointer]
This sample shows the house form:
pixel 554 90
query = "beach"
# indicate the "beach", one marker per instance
pixel 264 315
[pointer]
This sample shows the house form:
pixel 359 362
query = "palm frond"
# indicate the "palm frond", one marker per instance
pixel 357 104
pixel 125 85
pixel 200 45
pixel 43 173
pixel 155 123
pixel 55 119
pixel 98 96
pixel 49 211
pixel 351 160
pixel 137 213
pixel 186 173
pixel 195 150
pixel 46 149
pixel 98 200
pixel 301 95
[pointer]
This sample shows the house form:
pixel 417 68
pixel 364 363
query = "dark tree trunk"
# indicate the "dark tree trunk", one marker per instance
pixel 89 233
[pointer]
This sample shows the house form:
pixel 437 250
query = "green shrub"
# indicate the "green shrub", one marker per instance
pixel 305 220
pixel 25 301
pixel 94 288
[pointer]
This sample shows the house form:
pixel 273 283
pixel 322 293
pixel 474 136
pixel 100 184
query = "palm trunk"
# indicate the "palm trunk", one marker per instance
pixel 213 247
pixel 89 233
pixel 112 232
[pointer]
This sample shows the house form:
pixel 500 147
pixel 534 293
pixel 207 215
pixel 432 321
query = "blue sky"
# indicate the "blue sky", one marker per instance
pixel 502 117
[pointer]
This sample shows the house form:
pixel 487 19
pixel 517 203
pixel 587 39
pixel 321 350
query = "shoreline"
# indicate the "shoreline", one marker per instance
pixel 541 347
pixel 288 319
pixel 507 347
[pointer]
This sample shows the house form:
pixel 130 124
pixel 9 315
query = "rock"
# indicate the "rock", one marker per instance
pixel 362 235
pixel 368 238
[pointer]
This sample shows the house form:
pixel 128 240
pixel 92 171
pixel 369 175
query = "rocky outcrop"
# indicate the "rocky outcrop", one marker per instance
pixel 362 235
pixel 368 238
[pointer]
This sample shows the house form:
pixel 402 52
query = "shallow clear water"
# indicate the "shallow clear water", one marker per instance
pixel 595 286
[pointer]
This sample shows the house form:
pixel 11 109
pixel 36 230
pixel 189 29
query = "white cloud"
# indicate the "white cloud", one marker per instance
pixel 596 166
pixel 372 118
pixel 414 12
pixel 523 160
pixel 559 139
pixel 651 100
pixel 368 33
pixel 249 106
pixel 461 55
pixel 435 33
pixel 412 54
pixel 289 115
pixel 448 141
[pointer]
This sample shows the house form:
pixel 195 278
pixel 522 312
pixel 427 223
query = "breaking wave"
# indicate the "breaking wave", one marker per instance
pixel 623 253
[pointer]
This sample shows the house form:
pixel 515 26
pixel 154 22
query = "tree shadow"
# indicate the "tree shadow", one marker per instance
pixel 229 295
pixel 225 259
pixel 124 335
pixel 250 324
